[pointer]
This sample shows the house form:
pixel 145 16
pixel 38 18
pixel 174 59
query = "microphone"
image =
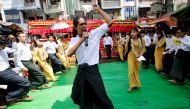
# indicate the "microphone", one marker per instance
pixel 86 39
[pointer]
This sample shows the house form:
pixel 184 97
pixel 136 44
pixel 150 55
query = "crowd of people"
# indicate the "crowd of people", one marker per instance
pixel 168 51
pixel 34 65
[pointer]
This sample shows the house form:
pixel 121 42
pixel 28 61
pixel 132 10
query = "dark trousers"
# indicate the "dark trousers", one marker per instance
pixel 147 57
pixel 36 76
pixel 108 51
pixel 168 62
pixel 2 97
pixel 180 65
pixel 57 65
pixel 152 50
pixel 88 89
pixel 17 85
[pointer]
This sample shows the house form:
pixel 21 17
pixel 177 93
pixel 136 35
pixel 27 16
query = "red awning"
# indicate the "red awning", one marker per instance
pixel 169 20
pixel 117 26
pixel 43 31
pixel 120 29
pixel 122 26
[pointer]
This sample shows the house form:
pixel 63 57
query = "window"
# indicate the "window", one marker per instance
pixel 143 12
pixel 86 0
pixel 54 2
pixel 29 1
pixel 144 0
pixel 111 0
pixel 12 15
pixel 129 0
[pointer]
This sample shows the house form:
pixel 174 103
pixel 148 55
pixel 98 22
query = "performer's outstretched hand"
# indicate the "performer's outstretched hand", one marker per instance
pixel 106 17
pixel 95 5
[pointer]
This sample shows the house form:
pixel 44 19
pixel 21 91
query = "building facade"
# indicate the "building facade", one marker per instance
pixel 112 7
pixel 20 11
pixel 144 7
pixel 129 9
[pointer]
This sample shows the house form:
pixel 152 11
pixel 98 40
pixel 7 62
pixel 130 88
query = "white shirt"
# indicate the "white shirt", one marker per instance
pixel 185 43
pixel 176 46
pixel 72 42
pixel 107 41
pixel 147 40
pixel 170 45
pixel 4 63
pixel 90 54
pixel 23 54
pixel 50 47
pixel 155 38
pixel 63 17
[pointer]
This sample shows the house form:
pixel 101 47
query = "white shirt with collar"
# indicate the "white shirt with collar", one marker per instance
pixel 185 43
pixel 170 45
pixel 108 41
pixel 24 52
pixel 4 59
pixel 50 47
pixel 90 54
pixel 155 38
pixel 63 17
pixel 147 40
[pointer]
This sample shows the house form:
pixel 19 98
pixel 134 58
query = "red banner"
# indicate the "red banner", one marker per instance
pixel 42 27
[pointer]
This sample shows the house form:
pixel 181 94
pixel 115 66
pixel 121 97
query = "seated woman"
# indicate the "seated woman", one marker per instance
pixel 61 53
pixel 34 50
pixel 46 68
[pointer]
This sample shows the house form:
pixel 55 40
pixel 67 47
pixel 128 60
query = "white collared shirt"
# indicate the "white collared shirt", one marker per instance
pixel 63 17
pixel 170 45
pixel 90 54
pixel 24 52
pixel 50 47
pixel 4 63
pixel 108 41
pixel 155 38
pixel 185 43
pixel 147 40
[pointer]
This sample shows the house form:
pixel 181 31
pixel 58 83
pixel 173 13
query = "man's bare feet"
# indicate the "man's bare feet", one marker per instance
pixel 13 103
pixel 173 81
pixel 46 86
pixel 130 89
pixel 25 99
pixel 163 73
pixel 3 107
pixel 34 90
